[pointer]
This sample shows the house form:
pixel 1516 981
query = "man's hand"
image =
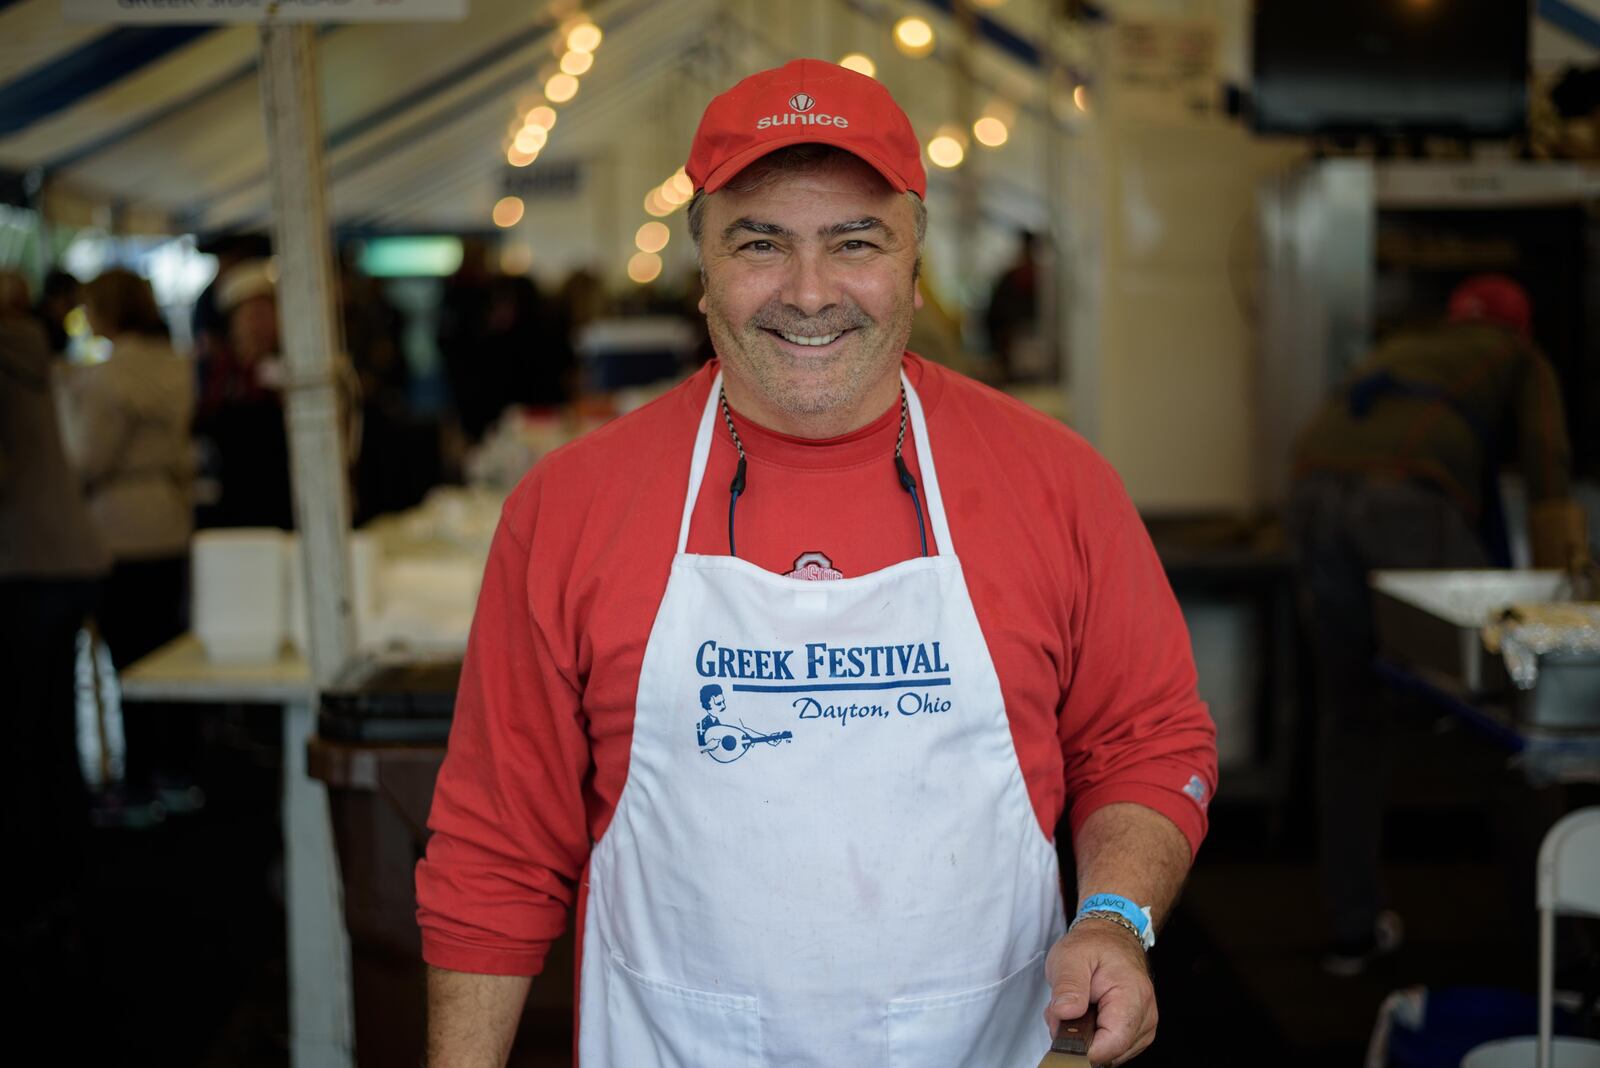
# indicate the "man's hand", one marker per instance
pixel 1100 962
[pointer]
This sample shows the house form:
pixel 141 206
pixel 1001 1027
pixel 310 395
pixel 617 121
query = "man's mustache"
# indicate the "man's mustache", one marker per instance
pixel 834 319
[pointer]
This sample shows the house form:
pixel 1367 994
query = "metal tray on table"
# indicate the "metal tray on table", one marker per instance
pixel 1433 621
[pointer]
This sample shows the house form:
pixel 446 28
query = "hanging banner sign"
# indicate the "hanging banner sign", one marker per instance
pixel 206 11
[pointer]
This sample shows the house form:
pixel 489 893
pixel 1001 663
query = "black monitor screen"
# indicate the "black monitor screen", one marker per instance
pixel 1453 67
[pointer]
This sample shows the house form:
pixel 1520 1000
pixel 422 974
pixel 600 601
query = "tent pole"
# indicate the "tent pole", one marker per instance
pixel 320 1018
pixel 306 286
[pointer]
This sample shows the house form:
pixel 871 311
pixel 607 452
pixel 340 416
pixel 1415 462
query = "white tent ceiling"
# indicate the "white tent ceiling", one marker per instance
pixel 414 115
pixel 160 127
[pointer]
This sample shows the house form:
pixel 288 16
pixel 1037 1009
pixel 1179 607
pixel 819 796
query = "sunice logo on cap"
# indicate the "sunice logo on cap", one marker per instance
pixel 800 115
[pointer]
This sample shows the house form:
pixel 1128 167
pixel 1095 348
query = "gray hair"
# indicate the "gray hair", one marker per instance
pixel 795 159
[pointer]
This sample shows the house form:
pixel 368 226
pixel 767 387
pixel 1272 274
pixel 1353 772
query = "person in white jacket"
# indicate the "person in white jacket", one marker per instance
pixel 126 425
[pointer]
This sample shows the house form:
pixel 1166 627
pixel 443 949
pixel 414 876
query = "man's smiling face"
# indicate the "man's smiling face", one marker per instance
pixel 809 292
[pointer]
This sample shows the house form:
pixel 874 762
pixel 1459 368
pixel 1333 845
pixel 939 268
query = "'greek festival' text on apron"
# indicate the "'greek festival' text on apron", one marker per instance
pixel 824 854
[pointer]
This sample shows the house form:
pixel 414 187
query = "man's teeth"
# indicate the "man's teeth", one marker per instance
pixel 801 339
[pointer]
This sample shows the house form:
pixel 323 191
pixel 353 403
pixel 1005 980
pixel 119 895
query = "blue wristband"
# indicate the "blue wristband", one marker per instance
pixel 1118 905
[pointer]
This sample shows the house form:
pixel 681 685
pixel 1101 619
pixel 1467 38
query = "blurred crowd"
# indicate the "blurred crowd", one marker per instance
pixel 115 448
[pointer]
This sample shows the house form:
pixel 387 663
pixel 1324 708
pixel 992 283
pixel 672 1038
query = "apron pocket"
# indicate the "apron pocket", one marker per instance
pixel 996 1026
pixel 654 1024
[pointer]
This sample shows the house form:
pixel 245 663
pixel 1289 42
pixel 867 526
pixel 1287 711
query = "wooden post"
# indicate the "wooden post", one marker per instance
pixel 306 288
pixel 319 957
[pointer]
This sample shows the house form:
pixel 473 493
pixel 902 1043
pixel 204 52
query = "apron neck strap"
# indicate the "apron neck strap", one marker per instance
pixel 930 476
pixel 919 432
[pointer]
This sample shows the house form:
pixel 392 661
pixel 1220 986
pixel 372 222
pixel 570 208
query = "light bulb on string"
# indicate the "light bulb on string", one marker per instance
pixel 576 63
pixel 859 62
pixel 531 138
pixel 913 36
pixel 584 37
pixel 946 151
pixel 990 132
pixel 644 267
pixel 652 237
pixel 561 88
pixel 655 205
pixel 508 212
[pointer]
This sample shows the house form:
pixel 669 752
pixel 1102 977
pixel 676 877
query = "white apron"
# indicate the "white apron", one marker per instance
pixel 830 860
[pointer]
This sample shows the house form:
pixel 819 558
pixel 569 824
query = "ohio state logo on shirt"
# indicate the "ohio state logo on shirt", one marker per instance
pixel 814 567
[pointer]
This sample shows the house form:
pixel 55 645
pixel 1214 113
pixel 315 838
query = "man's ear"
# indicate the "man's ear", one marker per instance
pixel 702 304
pixel 916 295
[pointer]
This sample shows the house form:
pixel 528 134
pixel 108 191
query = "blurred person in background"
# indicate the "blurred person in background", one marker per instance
pixel 51 564
pixel 239 417
pixel 209 324
pixel 384 480
pixel 60 294
pixel 125 424
pixel 1012 317
pixel 501 341
pixel 1399 469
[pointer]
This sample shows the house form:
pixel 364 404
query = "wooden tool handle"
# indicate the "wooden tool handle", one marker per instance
pixel 1074 1036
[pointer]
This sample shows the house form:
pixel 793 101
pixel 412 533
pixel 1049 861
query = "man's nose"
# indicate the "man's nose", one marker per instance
pixel 811 285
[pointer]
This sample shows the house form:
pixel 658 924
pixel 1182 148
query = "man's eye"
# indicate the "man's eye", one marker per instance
pixel 757 246
pixel 856 245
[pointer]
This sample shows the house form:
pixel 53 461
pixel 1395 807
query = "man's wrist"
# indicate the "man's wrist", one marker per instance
pixel 1121 911
pixel 1108 918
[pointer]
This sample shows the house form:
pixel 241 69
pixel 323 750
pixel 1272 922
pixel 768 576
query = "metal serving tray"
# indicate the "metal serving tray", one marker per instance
pixel 1433 620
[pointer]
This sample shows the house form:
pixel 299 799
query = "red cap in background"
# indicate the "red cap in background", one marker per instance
pixel 1492 298
pixel 805 101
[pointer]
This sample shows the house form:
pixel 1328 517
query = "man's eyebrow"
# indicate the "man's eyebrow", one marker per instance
pixel 856 226
pixel 754 226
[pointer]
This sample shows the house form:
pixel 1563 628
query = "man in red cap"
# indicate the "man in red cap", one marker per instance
pixel 928 622
pixel 1400 469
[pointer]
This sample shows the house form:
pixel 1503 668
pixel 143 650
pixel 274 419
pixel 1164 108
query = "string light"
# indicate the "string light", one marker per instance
pixel 584 37
pixel 524 140
pixel 945 151
pixel 644 267
pixel 990 131
pixel 652 237
pixel 561 88
pixel 913 36
pixel 655 205
pixel 576 63
pixel 508 212
pixel 1080 97
pixel 530 139
pixel 859 62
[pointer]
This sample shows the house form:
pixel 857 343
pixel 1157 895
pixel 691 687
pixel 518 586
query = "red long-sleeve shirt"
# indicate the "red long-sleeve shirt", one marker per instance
pixel 1091 650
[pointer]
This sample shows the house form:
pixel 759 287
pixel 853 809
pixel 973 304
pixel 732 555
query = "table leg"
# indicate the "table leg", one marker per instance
pixel 320 1028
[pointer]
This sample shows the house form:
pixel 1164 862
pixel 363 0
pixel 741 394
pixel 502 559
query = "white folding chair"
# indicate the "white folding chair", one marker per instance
pixel 1568 885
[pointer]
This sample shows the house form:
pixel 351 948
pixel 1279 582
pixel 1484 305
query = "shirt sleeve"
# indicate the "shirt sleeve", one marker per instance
pixel 509 835
pixel 1133 727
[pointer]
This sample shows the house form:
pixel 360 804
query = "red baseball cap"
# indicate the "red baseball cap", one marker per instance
pixel 1492 298
pixel 805 101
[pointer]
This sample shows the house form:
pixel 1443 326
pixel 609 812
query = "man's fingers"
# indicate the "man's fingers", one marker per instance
pixel 1126 1025
pixel 1069 989
pixel 1118 1020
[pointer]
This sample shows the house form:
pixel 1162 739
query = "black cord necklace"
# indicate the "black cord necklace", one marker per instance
pixel 737 487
